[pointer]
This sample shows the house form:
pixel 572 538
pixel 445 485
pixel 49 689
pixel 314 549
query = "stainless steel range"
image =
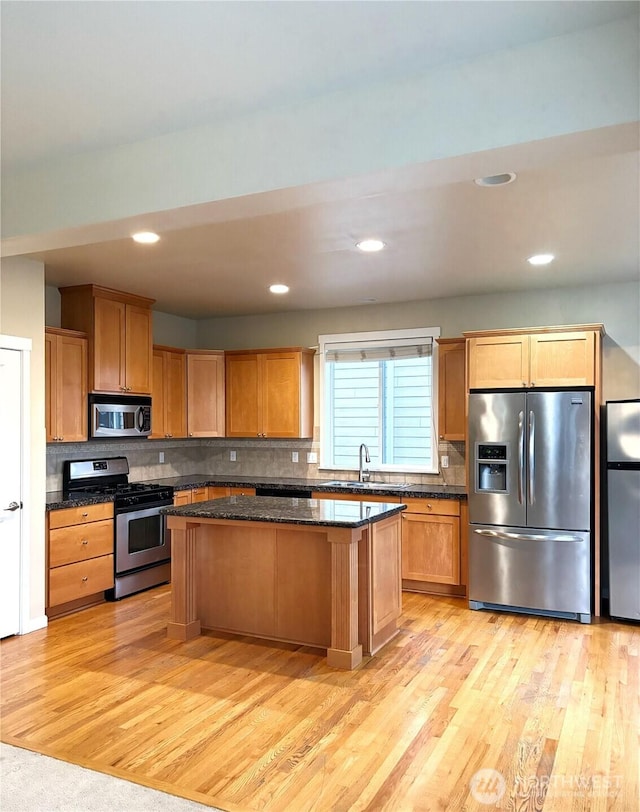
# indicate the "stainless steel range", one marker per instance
pixel 142 545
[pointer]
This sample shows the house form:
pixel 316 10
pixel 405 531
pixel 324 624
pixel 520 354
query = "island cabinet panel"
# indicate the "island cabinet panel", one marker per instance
pixel 383 583
pixel 119 330
pixel 236 571
pixel 303 601
pixel 451 388
pixel 65 385
pixel 269 393
pixel 205 393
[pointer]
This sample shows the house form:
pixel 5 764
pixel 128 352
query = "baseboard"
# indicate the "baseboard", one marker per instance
pixel 32 624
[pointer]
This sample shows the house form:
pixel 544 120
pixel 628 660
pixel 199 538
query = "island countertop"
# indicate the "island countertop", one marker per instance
pixel 283 510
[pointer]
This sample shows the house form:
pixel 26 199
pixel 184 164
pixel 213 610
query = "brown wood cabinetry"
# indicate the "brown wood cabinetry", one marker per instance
pixel 80 557
pixel 205 393
pixel 119 329
pixel 553 356
pixel 431 542
pixel 269 393
pixel 202 494
pixel 452 391
pixel 65 385
pixel 169 414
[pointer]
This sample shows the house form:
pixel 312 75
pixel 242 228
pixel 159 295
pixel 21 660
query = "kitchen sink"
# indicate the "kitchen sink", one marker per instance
pixel 387 486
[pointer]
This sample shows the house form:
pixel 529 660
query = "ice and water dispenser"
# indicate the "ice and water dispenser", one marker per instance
pixel 491 472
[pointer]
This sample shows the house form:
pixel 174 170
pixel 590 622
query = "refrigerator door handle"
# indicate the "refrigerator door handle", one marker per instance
pixel 532 459
pixel 520 456
pixel 503 534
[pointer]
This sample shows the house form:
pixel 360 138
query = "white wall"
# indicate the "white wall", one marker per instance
pixel 22 314
pixel 617 306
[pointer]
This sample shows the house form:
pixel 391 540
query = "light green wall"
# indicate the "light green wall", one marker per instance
pixel 617 306
pixel 22 314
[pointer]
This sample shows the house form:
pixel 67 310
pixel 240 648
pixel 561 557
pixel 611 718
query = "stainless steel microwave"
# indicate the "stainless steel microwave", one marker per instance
pixel 119 416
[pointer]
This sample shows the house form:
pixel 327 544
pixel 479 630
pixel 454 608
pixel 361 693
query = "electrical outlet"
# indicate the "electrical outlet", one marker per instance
pixel 232 456
pixel 161 456
pixel 444 461
pixel 294 456
pixel 312 456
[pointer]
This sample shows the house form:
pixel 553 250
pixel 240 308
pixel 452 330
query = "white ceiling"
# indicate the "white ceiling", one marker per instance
pixel 113 73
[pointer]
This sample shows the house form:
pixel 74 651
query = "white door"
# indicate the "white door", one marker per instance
pixel 10 489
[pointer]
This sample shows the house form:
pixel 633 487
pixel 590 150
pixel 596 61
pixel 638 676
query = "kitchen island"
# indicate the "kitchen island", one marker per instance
pixel 315 572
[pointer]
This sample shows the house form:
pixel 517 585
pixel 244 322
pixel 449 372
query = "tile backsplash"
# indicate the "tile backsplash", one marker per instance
pixel 212 457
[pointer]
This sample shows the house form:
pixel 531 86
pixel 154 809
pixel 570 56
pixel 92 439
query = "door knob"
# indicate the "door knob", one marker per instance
pixel 13 506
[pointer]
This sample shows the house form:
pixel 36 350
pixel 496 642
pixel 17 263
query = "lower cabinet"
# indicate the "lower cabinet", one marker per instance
pixel 79 556
pixel 431 547
pixel 205 492
pixel 434 542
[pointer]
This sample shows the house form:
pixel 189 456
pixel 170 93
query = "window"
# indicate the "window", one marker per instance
pixel 377 388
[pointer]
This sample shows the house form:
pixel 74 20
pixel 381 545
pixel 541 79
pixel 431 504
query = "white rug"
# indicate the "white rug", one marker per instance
pixel 30 782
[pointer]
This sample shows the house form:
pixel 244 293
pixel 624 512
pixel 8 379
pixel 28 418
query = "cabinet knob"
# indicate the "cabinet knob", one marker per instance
pixel 524 383
pixel 85 578
pixel 85 541
pixel 429 505
pixel 190 434
pixel 533 383
pixel 84 515
pixel 61 439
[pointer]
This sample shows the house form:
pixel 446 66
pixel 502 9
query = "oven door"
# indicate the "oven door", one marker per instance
pixel 141 539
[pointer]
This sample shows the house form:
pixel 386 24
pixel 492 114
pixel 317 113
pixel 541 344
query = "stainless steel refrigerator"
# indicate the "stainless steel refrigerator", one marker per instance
pixel 530 502
pixel 623 507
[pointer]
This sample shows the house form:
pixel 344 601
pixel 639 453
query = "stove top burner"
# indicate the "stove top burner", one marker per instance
pixel 109 477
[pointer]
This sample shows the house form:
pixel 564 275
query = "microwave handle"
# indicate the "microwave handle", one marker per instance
pixel 140 418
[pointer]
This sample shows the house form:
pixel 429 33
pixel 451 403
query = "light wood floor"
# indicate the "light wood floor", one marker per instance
pixel 552 705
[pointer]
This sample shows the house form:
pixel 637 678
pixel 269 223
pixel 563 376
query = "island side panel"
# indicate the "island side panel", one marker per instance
pixel 184 623
pixel 385 580
pixel 345 650
pixel 235 573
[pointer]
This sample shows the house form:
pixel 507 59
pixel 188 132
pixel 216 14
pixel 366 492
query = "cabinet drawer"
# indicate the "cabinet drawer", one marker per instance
pixel 241 492
pixel 80 515
pixel 182 497
pixel 79 542
pixel 80 580
pixel 441 507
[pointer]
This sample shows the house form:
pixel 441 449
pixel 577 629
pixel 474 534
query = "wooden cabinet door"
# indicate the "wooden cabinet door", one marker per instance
pixel 498 362
pixel 205 394
pixel 175 394
pixel 563 359
pixel 109 346
pixel 138 349
pixel 71 401
pixel 182 497
pixel 242 398
pixel 451 389
pixel 51 376
pixel 431 548
pixel 280 394
pixel 65 388
pixel 158 405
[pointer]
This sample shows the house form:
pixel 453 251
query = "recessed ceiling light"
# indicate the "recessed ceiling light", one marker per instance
pixel 146 237
pixel 370 246
pixel 279 288
pixel 540 259
pixel 496 180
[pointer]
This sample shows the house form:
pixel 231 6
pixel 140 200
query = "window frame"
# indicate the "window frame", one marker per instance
pixel 408 336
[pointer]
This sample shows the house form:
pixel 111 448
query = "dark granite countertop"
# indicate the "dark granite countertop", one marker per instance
pixel 319 485
pixel 282 510
pixel 56 499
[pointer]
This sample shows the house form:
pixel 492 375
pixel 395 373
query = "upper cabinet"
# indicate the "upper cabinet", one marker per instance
pixel 269 393
pixel 540 357
pixel 169 413
pixel 205 393
pixel 119 328
pixel 65 385
pixel 451 389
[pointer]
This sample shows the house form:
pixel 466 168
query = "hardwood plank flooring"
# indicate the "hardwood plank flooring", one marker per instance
pixel 553 706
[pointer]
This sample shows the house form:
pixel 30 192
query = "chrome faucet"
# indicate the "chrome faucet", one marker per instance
pixel 364 475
